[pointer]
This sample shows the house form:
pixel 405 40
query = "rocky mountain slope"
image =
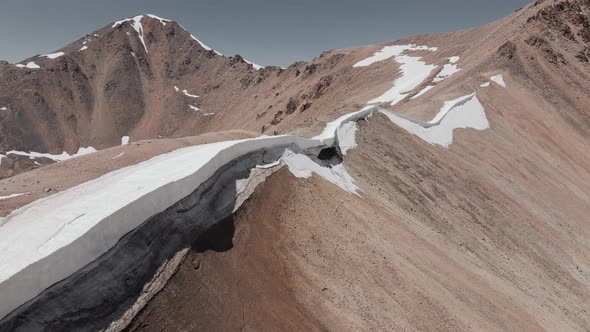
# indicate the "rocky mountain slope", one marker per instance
pixel 471 203
pixel 140 78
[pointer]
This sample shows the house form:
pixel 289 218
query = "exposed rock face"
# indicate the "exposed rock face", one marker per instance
pixel 549 53
pixel 563 20
pixel 507 50
pixel 583 55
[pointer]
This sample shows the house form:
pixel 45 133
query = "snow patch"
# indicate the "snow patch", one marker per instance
pixel 257 67
pixel 30 65
pixel 463 112
pixel 83 48
pixel 301 166
pixel 124 140
pixel 391 52
pixel 117 156
pixel 423 91
pixel 202 44
pixel 448 69
pixel 185 92
pixel 55 157
pixel 499 79
pixel 3 109
pixel 196 109
pixel 189 95
pixel 53 55
pixel 485 85
pixel 413 71
pixel 162 20
pixel 12 196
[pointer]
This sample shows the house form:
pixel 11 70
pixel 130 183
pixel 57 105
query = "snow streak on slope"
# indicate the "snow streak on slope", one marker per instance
pixel 200 42
pixel 55 157
pixel 257 67
pixel 196 109
pixel 499 79
pixel 11 196
pixel 423 91
pixel 203 45
pixel 162 20
pixel 413 71
pixel 53 55
pixel 117 156
pixel 30 65
pixel 136 24
pixel 185 92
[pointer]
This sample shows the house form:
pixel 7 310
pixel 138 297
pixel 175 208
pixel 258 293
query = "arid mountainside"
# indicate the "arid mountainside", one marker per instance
pixel 140 78
pixel 459 201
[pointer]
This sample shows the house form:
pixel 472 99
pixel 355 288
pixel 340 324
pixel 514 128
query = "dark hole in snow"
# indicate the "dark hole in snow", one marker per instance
pixel 329 157
pixel 327 154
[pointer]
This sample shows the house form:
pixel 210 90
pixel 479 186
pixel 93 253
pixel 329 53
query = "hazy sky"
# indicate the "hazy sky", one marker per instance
pixel 268 32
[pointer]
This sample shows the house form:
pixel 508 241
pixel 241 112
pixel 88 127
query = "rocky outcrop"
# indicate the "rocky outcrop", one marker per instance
pixel 548 52
pixel 507 50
